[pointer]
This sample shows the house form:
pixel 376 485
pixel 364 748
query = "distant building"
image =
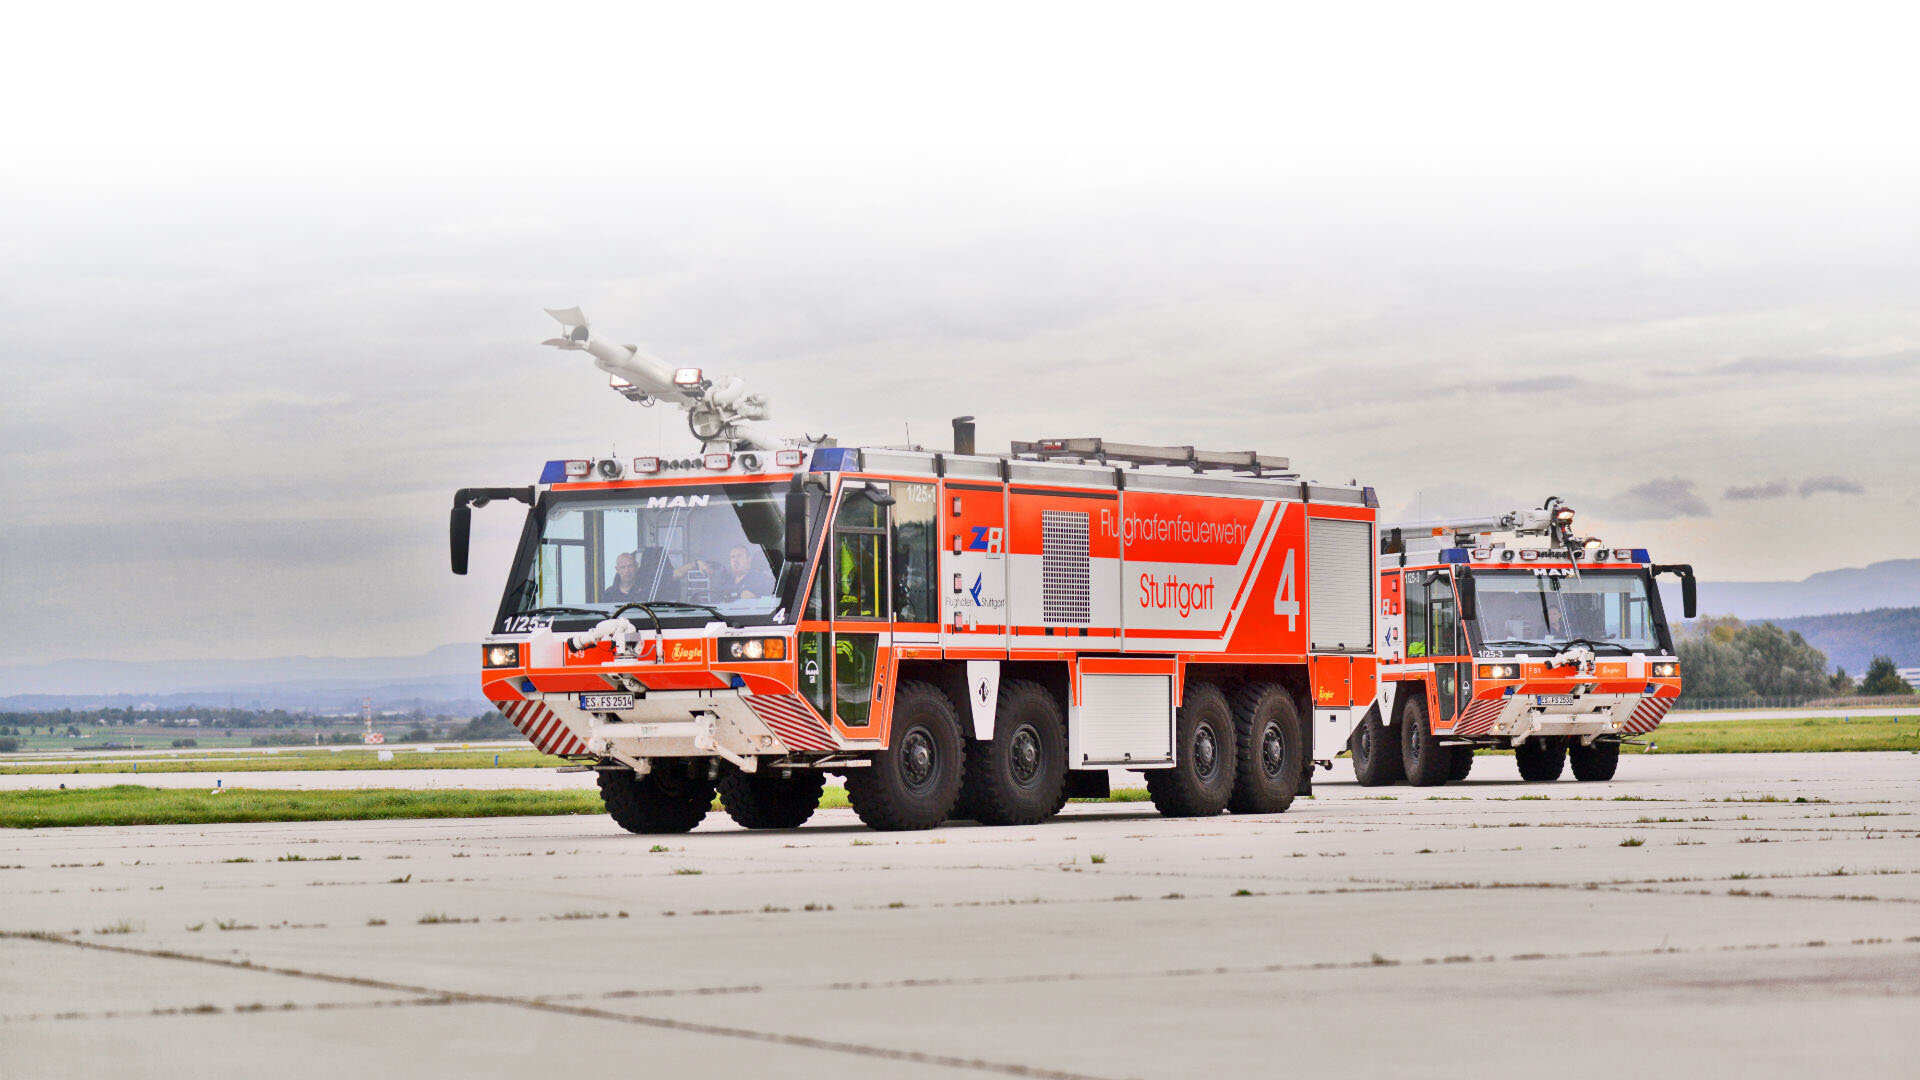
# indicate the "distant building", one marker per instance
pixel 1912 675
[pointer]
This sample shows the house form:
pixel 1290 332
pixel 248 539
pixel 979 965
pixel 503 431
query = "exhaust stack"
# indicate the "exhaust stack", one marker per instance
pixel 963 435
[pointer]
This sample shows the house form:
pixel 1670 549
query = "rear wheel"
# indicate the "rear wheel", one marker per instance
pixel 914 783
pixel 769 801
pixel 1541 758
pixel 1462 764
pixel 1019 776
pixel 1200 784
pixel 1376 754
pixel 1270 748
pixel 1427 763
pixel 1597 761
pixel 673 798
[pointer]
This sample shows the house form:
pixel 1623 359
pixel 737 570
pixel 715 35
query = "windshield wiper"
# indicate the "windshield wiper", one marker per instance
pixel 1592 644
pixel 1513 643
pixel 562 610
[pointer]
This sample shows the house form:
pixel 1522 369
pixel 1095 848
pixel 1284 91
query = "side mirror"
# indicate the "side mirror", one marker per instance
pixel 1689 587
pixel 1469 605
pixel 459 528
pixel 796 524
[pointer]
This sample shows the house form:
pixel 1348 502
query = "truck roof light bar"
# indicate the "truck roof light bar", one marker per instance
pixel 1104 452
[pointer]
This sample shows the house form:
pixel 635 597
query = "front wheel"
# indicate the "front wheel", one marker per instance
pixel 673 798
pixel 1426 762
pixel 1541 758
pixel 1462 764
pixel 1200 784
pixel 914 783
pixel 1596 761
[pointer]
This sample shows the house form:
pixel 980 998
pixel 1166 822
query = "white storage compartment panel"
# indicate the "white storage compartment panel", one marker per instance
pixel 1122 720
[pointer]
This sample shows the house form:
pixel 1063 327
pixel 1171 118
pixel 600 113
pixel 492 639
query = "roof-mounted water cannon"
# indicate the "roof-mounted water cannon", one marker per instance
pixel 719 411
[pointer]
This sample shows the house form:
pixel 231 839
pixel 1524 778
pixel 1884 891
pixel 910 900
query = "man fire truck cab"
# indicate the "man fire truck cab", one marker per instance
pixel 957 634
pixel 1557 650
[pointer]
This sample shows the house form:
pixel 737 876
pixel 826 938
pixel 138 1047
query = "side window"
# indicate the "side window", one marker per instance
pixel 1445 638
pixel 915 547
pixel 1416 614
pixel 859 558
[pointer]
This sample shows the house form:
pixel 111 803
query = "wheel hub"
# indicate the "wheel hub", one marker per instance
pixel 1273 750
pixel 1204 752
pixel 916 756
pixel 1024 756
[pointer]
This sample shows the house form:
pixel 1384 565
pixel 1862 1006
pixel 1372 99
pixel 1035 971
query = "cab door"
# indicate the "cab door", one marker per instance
pixel 1444 640
pixel 846 641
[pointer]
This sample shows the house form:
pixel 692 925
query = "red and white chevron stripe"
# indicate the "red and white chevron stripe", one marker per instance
pixel 1646 715
pixel 542 727
pixel 1478 718
pixel 793 720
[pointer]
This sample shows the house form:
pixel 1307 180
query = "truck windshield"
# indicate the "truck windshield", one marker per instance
pixel 1548 607
pixel 682 548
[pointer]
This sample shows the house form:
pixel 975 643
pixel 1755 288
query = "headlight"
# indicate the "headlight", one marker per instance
pixel 1499 671
pixel 497 656
pixel 772 648
pixel 1667 670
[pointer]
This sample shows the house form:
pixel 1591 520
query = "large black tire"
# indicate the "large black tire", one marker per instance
pixel 1376 753
pixel 1541 758
pixel 1200 784
pixel 1018 777
pixel 1595 762
pixel 673 798
pixel 914 783
pixel 1424 760
pixel 771 801
pixel 1270 747
pixel 1462 764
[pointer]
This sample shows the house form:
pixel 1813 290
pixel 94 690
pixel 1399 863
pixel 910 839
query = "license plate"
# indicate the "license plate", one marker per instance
pixel 605 702
pixel 1554 699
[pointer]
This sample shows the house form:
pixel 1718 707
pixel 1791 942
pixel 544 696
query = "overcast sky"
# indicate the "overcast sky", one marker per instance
pixel 270 284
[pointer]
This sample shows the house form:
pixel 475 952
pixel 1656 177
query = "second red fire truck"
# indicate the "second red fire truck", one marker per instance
pixel 1509 631
pixel 956 634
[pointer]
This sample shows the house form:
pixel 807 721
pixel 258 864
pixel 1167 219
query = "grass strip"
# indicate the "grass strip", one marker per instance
pixel 346 760
pixel 130 804
pixel 1810 734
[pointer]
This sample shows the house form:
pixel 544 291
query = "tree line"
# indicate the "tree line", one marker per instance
pixel 1722 658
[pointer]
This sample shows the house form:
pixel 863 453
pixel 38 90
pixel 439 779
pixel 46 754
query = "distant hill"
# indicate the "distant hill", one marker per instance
pixel 446 680
pixel 1852 641
pixel 1891 584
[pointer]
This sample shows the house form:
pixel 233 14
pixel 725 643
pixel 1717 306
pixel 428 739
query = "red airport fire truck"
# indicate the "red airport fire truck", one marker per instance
pixel 1558 649
pixel 957 634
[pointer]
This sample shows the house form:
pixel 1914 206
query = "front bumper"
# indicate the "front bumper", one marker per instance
pixel 1522 716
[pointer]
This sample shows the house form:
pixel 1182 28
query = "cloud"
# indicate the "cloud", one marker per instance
pixel 1807 489
pixel 1660 500
pixel 1838 485
pixel 1880 364
pixel 1772 489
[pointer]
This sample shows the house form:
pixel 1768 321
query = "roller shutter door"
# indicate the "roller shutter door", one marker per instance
pixel 1339 585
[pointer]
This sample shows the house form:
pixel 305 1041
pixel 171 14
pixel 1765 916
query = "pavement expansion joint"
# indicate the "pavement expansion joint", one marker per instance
pixel 452 997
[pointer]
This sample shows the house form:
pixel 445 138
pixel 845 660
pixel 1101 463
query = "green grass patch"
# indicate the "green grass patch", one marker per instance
pixel 128 804
pixel 299 761
pixel 1809 734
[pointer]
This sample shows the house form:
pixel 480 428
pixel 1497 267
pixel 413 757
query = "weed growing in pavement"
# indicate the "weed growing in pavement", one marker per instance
pixel 656 849
pixel 1632 841
pixel 122 926
pixel 687 871
pixel 376 921
pixel 1096 859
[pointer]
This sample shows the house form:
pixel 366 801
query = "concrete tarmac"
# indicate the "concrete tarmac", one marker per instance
pixel 1692 918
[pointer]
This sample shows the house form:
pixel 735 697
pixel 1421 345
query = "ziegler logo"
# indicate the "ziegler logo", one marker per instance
pixel 656 502
pixel 685 652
